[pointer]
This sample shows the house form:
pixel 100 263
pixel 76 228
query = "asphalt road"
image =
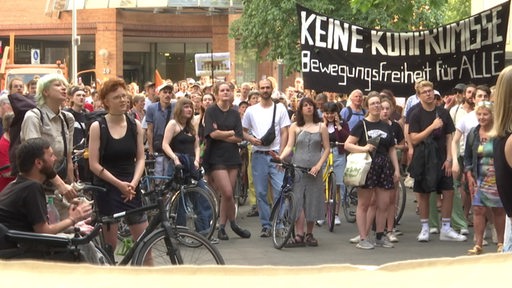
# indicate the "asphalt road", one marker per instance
pixel 334 247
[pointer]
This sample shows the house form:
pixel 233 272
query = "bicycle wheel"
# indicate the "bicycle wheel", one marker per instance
pixel 349 203
pixel 192 248
pixel 401 198
pixel 331 200
pixel 283 220
pixel 195 209
pixel 241 190
pixel 103 257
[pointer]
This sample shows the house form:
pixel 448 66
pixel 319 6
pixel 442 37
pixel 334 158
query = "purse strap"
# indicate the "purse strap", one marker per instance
pixel 365 131
pixel 274 116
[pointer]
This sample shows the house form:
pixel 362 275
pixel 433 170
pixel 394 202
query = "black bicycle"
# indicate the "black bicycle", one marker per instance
pixel 284 211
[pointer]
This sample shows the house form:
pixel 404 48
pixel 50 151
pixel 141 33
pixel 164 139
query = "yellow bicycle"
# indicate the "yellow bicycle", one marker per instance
pixel 331 190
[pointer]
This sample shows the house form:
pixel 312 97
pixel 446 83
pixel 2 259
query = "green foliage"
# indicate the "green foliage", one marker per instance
pixel 270 27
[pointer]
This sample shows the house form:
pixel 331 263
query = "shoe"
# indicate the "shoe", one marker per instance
pixel 364 244
pixel 337 220
pixel 355 240
pixel 214 241
pixel 500 248
pixel 384 243
pixel 424 236
pixel 244 233
pixel 434 230
pixel 222 235
pixel 265 232
pixel 310 240
pixel 298 241
pixel 319 223
pixel 450 235
pixel 477 250
pixel 253 212
pixel 392 237
pixel 397 232
pixel 464 231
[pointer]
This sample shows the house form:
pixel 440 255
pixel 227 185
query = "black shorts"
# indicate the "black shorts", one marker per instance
pixel 443 184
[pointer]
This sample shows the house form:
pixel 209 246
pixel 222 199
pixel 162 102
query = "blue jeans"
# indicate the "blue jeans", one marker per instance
pixel 161 165
pixel 262 171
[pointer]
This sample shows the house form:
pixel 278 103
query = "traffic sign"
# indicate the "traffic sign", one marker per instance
pixel 35 55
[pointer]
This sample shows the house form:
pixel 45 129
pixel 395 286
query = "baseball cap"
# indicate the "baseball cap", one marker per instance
pixel 459 88
pixel 164 85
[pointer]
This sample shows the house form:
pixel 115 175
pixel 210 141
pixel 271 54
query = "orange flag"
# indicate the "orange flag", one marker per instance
pixel 158 79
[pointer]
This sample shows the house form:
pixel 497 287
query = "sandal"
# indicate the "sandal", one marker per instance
pixel 310 240
pixel 477 250
pixel 500 248
pixel 298 241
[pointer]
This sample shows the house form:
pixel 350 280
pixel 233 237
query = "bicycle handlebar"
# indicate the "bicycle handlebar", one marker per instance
pixel 289 165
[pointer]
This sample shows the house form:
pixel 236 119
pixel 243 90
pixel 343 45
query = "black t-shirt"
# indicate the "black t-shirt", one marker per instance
pixel 398 132
pixel 79 132
pixel 420 119
pixel 375 129
pixel 23 205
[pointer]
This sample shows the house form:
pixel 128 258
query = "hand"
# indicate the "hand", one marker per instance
pixel 255 141
pixel 196 163
pixel 369 148
pixel 127 191
pixel 396 177
pixel 438 123
pixel 68 192
pixel 410 153
pixel 447 167
pixel 314 170
pixel 80 210
pixel 455 169
pixel 471 185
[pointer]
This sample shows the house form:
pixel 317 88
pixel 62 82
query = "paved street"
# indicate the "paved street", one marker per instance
pixel 334 248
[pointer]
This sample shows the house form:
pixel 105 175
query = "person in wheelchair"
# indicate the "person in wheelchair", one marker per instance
pixel 23 202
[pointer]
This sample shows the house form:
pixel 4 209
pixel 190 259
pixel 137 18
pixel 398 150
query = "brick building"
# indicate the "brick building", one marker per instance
pixel 129 38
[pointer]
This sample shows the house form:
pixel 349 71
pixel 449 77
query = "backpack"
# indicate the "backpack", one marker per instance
pixel 350 112
pixel 20 105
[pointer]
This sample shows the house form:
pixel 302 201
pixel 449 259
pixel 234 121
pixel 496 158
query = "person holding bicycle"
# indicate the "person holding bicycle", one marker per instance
pixel 23 202
pixel 309 139
pixel 119 165
pixel 338 132
pixel 384 171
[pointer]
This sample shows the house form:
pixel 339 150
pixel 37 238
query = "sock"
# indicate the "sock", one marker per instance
pixel 445 223
pixel 379 235
pixel 222 226
pixel 424 224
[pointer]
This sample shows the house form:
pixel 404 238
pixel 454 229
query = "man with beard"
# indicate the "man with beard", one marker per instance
pixel 257 120
pixel 23 203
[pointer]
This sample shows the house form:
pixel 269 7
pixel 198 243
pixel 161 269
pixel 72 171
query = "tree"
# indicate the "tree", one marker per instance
pixel 270 28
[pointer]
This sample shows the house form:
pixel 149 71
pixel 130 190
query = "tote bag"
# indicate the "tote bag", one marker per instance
pixel 358 166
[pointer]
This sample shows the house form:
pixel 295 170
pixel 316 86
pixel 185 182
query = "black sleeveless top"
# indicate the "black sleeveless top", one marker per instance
pixel 119 155
pixel 503 174
pixel 183 143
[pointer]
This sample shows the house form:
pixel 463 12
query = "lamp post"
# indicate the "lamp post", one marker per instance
pixel 75 41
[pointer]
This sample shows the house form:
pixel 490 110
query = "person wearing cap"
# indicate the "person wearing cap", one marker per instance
pixel 430 130
pixel 158 114
pixel 149 90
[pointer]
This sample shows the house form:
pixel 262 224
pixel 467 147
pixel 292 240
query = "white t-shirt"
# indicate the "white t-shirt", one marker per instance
pixel 258 119
pixel 464 126
pixel 458 113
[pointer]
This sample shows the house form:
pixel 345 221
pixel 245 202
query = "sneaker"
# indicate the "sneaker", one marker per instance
pixel 337 220
pixel 355 240
pixel 392 237
pixel 464 231
pixel 265 232
pixel 364 244
pixel 450 235
pixel 253 212
pixel 397 232
pixel 222 235
pixel 384 243
pixel 214 240
pixel 319 223
pixel 424 236
pixel 434 230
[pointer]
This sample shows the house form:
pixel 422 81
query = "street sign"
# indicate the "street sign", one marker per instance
pixel 35 55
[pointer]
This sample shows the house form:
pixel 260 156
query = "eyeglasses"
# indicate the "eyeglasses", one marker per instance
pixel 486 104
pixel 427 91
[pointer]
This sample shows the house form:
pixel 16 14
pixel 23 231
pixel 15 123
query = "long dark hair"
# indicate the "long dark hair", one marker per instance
pixel 300 117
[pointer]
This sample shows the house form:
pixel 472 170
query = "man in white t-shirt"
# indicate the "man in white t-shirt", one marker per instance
pixel 257 120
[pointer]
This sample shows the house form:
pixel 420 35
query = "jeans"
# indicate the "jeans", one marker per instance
pixel 262 171
pixel 161 164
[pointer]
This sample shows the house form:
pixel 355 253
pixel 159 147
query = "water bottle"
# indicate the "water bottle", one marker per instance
pixel 53 213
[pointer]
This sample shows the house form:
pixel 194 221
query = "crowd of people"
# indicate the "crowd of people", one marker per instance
pixel 463 133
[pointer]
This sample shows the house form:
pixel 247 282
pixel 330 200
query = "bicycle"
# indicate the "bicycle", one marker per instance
pixel 331 192
pixel 284 212
pixel 242 180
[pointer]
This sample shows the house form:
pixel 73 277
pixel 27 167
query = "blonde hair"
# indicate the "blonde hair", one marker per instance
pixel 44 83
pixel 423 83
pixel 502 105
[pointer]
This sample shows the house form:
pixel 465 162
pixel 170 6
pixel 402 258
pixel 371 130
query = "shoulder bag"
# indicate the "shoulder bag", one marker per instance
pixel 358 166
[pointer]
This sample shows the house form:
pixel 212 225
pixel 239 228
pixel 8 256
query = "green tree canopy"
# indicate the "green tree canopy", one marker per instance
pixel 271 28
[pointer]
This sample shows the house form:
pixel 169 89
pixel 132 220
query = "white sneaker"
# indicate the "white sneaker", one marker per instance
pixel 320 222
pixel 464 231
pixel 392 237
pixel 434 230
pixel 365 244
pixel 355 240
pixel 384 243
pixel 337 220
pixel 450 235
pixel 424 236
